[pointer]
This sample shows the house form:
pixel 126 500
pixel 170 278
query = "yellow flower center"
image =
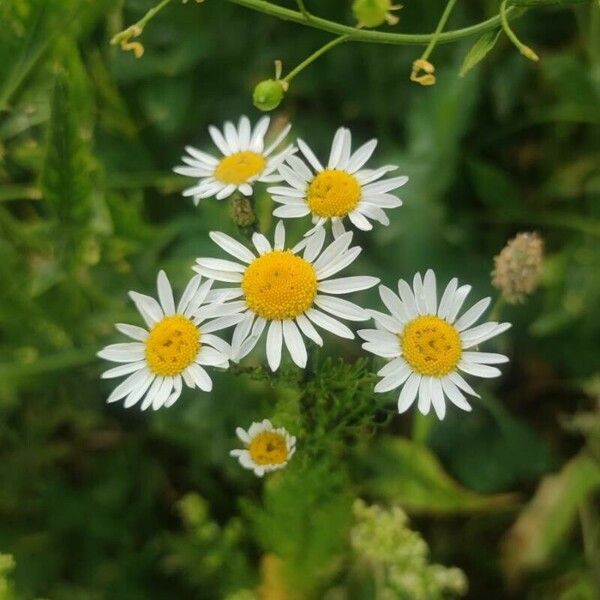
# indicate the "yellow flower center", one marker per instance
pixel 239 167
pixel 173 344
pixel 268 448
pixel 431 346
pixel 279 285
pixel 333 193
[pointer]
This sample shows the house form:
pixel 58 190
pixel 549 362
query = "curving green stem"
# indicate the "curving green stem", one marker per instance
pixel 380 37
pixel 314 56
pixel 438 30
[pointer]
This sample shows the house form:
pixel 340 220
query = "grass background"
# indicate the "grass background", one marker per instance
pixel 95 501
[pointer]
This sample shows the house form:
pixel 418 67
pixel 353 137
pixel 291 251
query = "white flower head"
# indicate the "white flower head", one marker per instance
pixel 267 448
pixel 341 189
pixel 428 344
pixel 177 345
pixel 244 160
pixel 287 293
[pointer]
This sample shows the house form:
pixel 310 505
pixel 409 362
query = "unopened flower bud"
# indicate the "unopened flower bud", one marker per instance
pixel 242 212
pixel 518 267
pixel 373 13
pixel 268 94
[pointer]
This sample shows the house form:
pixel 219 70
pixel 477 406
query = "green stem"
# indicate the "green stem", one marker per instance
pixel 590 531
pixel 497 308
pixel 438 30
pixel 139 25
pixel 56 362
pixel 303 9
pixel 526 51
pixel 314 56
pixel 378 37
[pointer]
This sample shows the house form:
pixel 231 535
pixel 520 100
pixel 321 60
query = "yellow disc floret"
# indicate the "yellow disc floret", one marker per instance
pixel 333 193
pixel 431 346
pixel 240 167
pixel 173 344
pixel 268 448
pixel 279 285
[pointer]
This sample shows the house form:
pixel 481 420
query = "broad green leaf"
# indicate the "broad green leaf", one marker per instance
pixel 479 50
pixel 404 472
pixel 547 520
pixel 493 186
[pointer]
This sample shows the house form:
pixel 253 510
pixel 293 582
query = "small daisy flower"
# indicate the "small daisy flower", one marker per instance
pixel 288 292
pixel 429 344
pixel 342 189
pixel 244 160
pixel 177 345
pixel 267 449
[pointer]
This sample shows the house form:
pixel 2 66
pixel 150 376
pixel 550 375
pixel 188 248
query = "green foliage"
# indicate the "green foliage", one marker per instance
pixel 101 503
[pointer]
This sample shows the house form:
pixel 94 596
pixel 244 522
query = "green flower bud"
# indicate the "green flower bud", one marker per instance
pixel 372 13
pixel 268 94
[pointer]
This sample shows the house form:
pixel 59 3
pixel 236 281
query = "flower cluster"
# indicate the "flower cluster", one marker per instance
pixel 288 292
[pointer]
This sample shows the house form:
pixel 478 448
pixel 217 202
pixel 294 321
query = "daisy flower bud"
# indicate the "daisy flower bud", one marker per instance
pixel 373 13
pixel 268 94
pixel 518 267
pixel 242 212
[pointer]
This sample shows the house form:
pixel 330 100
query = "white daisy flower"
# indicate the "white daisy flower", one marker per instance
pixel 267 449
pixel 289 292
pixel 429 344
pixel 342 189
pixel 177 345
pixel 244 160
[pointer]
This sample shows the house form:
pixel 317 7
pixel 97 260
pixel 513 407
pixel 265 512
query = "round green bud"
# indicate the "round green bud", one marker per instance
pixel 268 94
pixel 371 13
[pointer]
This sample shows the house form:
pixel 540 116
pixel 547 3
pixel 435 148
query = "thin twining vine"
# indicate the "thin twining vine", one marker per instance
pixel 269 93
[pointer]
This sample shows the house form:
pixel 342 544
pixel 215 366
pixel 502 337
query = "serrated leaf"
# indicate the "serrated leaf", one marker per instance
pixel 402 471
pixel 479 50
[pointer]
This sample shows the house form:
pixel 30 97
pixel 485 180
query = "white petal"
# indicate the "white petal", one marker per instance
pixel 393 304
pixel 164 392
pixel 360 221
pixel 244 132
pixel 361 156
pixel 124 369
pixel 335 249
pixel 408 299
pixel 200 377
pixel 339 263
pixel 261 243
pixel 221 323
pixel 291 211
pixel 300 168
pixel 479 370
pixel 429 291
pixel 177 385
pixel 409 392
pixel 288 192
pixel 153 391
pixel 367 175
pixel 455 395
pixel 309 155
pixel 241 332
pixel 291 177
pixel 241 433
pixel 282 135
pixel 123 353
pixel 222 346
pixel 209 357
pixel 165 293
pixel 279 241
pixel 419 294
pixel 395 366
pixel 386 321
pixel 437 398
pixel 379 336
pixel 382 200
pixel 337 228
pixel 484 358
pixel 274 339
pixel 198 298
pixel 424 402
pixel 218 275
pixel 231 136
pixel 473 314
pixel 314 245
pixel 457 301
pixel 226 192
pixel 294 343
pixel 202 156
pixel 346 285
pixel 458 380
pixel 336 148
pixel 447 297
pixel 329 323
pixel 472 340
pixel 395 379
pixel 134 396
pixel 132 331
pixel 148 307
pixel 219 140
pixel 258 135
pixel 232 247
pixel 341 308
pixel 308 330
pixel 190 289
pixel 128 385
pixel 386 185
